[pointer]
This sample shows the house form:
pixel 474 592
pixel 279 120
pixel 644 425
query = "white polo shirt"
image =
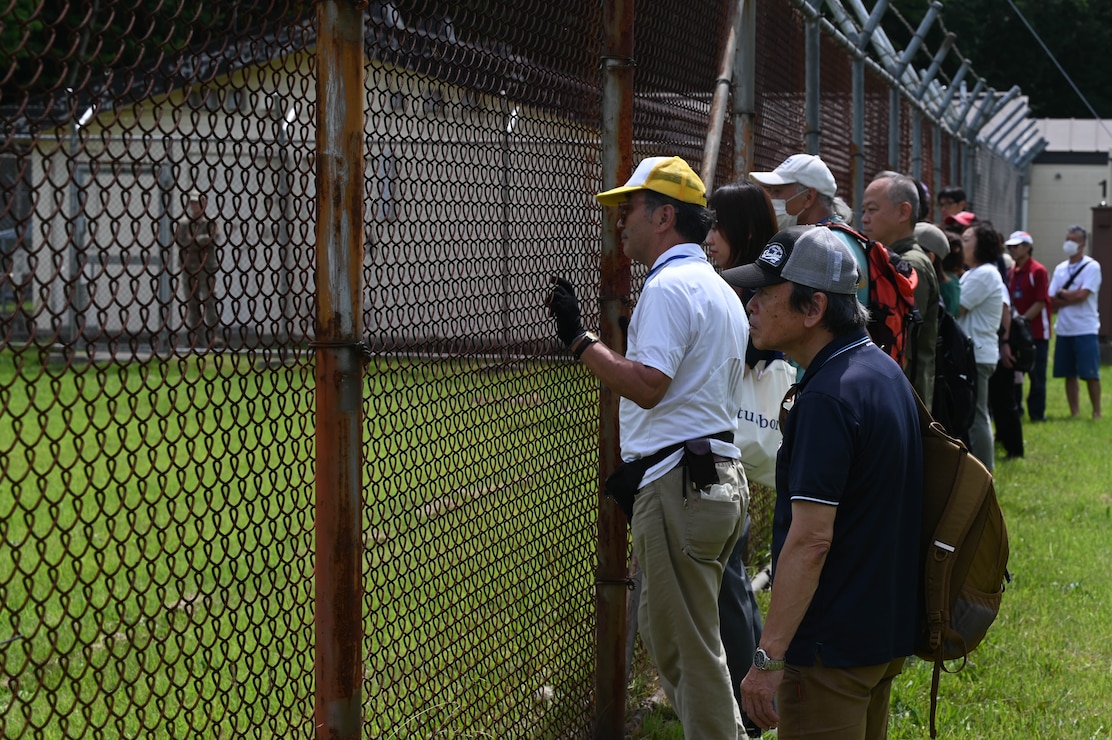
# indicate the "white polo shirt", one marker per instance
pixel 690 325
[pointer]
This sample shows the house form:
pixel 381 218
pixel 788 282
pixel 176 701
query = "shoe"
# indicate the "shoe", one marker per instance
pixel 1012 456
pixel 1038 419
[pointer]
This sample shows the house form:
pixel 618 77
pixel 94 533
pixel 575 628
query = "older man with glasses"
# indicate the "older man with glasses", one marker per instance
pixel 849 488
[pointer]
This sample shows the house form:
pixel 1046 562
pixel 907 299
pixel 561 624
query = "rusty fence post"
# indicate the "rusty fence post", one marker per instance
pixel 339 180
pixel 613 575
pixel 745 95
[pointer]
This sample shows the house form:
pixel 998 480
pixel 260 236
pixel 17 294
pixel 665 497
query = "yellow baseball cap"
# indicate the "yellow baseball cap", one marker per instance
pixel 669 176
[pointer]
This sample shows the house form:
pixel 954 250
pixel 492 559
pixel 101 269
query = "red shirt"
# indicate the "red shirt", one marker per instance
pixel 1027 286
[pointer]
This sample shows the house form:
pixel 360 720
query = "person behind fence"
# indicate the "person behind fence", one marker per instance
pixel 842 614
pixel 197 236
pixel 681 482
pixel 889 213
pixel 1073 293
pixel 744 221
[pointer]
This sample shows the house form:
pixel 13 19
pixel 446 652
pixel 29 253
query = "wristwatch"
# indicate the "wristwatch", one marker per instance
pixel 762 662
pixel 582 342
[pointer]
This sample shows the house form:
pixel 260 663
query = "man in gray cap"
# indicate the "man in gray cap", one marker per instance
pixel 842 616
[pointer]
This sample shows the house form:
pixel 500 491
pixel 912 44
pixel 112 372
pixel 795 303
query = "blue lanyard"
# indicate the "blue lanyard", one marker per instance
pixel 660 267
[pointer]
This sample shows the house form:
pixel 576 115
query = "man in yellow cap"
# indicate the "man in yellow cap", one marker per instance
pixel 681 483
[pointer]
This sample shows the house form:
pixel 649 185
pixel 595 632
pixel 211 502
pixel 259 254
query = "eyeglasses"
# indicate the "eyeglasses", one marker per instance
pixel 624 209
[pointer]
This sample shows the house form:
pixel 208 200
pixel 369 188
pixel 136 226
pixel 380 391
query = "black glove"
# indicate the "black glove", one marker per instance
pixel 564 307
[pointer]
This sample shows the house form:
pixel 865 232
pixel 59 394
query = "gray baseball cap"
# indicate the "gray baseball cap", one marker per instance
pixel 809 255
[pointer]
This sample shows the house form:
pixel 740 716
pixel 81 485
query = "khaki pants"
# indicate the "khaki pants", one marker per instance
pixel 682 544
pixel 820 703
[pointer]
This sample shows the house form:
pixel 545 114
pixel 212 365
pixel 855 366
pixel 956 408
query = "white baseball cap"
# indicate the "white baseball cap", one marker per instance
pixel 1019 237
pixel 806 169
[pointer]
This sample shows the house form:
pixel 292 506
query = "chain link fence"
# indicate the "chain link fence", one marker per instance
pixel 159 327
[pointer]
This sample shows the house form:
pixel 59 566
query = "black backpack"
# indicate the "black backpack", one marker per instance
pixel 955 378
pixel 1022 343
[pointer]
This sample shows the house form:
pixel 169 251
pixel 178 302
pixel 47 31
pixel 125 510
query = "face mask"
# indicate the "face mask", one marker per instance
pixel 1070 248
pixel 784 219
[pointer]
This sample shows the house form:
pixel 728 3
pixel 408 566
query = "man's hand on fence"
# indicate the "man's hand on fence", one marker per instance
pixel 564 307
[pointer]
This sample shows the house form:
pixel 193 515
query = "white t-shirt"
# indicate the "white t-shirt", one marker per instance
pixel 983 295
pixel 690 325
pixel 1077 319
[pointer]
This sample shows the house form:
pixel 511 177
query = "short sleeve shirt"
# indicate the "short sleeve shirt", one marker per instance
pixel 1027 286
pixel 852 441
pixel 983 301
pixel 1078 319
pixel 690 325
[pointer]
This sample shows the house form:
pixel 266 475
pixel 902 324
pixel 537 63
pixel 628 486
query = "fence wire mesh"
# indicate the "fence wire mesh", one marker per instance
pixel 157 320
pixel 155 497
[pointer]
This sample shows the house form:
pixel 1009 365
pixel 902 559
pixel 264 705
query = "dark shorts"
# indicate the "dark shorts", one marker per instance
pixel 1077 357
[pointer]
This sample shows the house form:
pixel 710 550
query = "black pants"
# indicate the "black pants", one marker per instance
pixel 1005 412
pixel 741 620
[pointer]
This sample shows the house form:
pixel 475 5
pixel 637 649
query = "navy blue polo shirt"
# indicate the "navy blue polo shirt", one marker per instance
pixel 852 441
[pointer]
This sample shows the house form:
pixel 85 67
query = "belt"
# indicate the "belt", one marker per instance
pixel 649 460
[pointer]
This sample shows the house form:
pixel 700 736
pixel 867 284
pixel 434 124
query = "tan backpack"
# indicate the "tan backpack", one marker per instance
pixel 963 552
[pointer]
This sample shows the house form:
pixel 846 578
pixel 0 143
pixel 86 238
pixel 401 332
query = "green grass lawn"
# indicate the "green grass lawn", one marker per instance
pixel 156 578
pixel 1045 669
pixel 156 526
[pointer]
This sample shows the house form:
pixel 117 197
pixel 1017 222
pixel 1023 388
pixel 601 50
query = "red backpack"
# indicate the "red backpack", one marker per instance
pixel 893 318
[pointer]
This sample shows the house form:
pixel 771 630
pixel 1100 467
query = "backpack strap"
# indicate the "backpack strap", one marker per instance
pixel 1074 274
pixel 843 226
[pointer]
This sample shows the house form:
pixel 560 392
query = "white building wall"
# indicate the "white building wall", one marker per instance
pixel 465 192
pixel 1059 196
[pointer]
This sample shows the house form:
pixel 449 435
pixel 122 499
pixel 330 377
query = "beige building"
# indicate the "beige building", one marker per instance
pixel 1069 178
pixel 1070 184
pixel 450 246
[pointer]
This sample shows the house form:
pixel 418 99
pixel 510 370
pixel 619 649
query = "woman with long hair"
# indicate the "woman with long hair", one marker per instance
pixel 744 224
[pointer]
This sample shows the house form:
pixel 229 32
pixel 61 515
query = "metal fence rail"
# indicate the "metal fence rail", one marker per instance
pixel 320 468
